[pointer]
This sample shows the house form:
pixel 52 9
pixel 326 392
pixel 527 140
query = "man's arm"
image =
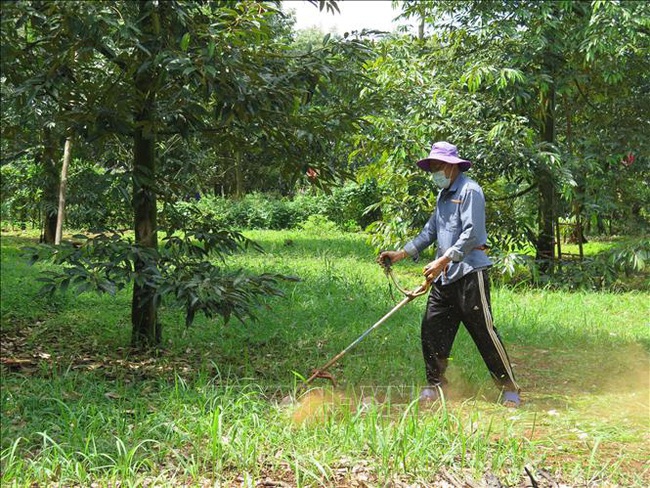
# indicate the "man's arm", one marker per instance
pixel 424 239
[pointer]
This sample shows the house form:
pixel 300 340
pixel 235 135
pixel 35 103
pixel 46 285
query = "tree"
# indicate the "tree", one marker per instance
pixel 173 77
pixel 34 93
pixel 557 49
pixel 422 95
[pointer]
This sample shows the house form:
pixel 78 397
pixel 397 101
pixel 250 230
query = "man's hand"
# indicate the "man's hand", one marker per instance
pixel 434 268
pixel 391 256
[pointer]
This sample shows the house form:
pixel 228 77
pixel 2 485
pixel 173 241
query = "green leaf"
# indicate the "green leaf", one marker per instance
pixel 185 41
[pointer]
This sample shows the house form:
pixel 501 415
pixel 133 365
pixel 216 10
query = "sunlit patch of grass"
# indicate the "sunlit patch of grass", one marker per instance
pixel 590 248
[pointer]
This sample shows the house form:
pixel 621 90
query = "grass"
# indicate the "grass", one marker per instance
pixel 80 407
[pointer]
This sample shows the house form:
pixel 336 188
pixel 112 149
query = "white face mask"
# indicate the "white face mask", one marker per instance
pixel 441 180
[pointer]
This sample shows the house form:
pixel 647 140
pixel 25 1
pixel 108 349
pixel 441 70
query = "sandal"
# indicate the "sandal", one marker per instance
pixel 431 394
pixel 510 399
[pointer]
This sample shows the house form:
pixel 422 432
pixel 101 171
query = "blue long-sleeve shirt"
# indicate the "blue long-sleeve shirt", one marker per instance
pixel 458 227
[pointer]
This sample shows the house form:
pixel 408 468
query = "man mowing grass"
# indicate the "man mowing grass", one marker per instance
pixel 460 291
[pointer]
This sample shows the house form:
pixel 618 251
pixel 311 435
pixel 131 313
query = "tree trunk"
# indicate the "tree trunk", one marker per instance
pixel 576 236
pixel 600 225
pixel 67 151
pixel 144 308
pixel 545 217
pixel 51 188
pixel 146 331
pixel 240 188
pixel 546 188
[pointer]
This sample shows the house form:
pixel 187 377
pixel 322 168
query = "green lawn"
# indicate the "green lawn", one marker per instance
pixel 80 407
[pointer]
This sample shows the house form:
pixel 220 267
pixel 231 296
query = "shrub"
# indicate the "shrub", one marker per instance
pixel 345 207
pixel 110 194
pixel 318 224
pixel 616 269
pixel 254 211
pixel 303 206
pixel 631 256
pixel 216 209
pixel 511 268
pixel 348 204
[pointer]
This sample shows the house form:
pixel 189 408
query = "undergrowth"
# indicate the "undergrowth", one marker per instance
pixel 79 406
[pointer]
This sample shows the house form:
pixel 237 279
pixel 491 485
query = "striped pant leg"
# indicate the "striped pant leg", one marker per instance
pixel 477 318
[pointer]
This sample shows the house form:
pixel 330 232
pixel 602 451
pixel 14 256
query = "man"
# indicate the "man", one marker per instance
pixel 460 289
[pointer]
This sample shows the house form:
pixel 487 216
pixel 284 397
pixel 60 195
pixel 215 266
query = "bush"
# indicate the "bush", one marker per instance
pixel 511 268
pixel 303 206
pixel 216 209
pixel 21 183
pixel 264 211
pixel 96 198
pixel 345 207
pixel 318 224
pixel 619 268
pixel 254 211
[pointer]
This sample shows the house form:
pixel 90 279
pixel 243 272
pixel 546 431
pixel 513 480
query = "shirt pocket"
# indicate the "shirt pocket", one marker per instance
pixel 453 224
pixel 450 218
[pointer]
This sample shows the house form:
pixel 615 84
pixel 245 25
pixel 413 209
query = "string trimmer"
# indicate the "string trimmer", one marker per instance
pixel 408 296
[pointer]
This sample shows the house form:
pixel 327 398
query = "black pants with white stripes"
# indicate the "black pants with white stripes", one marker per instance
pixel 468 301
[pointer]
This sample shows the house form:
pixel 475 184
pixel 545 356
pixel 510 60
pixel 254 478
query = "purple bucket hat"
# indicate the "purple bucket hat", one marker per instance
pixel 445 152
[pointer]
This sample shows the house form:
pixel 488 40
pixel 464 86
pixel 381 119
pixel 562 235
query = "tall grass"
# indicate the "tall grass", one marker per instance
pixel 207 408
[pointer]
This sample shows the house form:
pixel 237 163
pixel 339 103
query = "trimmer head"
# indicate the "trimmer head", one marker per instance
pixel 317 373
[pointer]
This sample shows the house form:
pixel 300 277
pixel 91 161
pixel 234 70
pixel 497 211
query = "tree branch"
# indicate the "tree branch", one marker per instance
pixel 584 95
pixel 516 195
pixel 111 56
pixel 15 156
